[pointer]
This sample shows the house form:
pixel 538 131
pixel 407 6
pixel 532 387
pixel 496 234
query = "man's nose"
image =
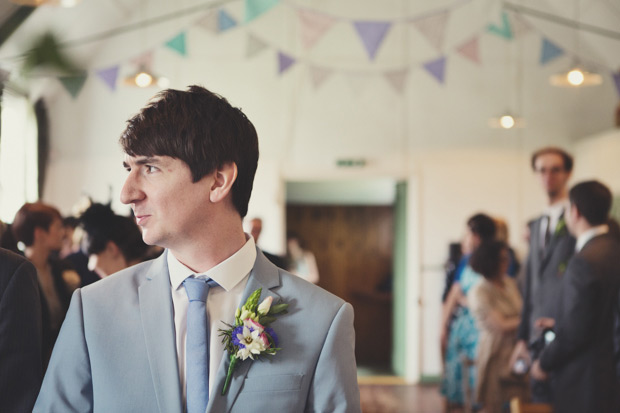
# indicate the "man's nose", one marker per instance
pixel 131 191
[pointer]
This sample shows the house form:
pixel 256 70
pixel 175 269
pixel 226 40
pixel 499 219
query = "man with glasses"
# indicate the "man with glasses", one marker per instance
pixel 550 248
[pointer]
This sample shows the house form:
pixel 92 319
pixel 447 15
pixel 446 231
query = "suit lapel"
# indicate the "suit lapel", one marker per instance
pixel 264 275
pixel 553 240
pixel 158 325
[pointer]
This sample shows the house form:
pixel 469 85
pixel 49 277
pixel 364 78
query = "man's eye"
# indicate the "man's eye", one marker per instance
pixel 151 168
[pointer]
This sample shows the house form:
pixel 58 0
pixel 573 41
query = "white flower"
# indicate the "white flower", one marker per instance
pixel 252 341
pixel 264 307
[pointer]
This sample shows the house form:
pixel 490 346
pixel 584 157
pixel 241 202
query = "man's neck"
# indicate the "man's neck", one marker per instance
pixel 556 199
pixel 200 256
pixel 38 255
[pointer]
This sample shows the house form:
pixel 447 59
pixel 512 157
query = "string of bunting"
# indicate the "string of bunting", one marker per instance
pixel 315 25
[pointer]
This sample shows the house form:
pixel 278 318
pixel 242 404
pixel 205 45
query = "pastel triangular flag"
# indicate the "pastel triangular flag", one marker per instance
pixel 503 30
pixel 109 76
pixel 225 21
pixel 177 43
pixel 284 62
pixel 616 77
pixel 254 8
pixel 518 25
pixel 255 46
pixel 372 34
pixel 549 51
pixel 470 50
pixel 437 68
pixel 209 22
pixel 318 76
pixel 433 28
pixel 143 60
pixel 313 26
pixel 73 84
pixel 397 79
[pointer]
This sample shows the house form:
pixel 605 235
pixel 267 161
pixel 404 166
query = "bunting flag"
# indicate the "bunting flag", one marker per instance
pixel 73 84
pixel 503 30
pixel 549 52
pixel 469 50
pixel 372 34
pixel 209 22
pixel 397 79
pixel 518 25
pixel 225 21
pixel 284 62
pixel 254 46
pixel 313 26
pixel 177 43
pixel 109 76
pixel 254 8
pixel 143 60
pixel 437 68
pixel 433 28
pixel 616 77
pixel 318 76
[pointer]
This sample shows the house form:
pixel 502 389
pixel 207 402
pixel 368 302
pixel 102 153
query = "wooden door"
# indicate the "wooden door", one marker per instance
pixel 353 250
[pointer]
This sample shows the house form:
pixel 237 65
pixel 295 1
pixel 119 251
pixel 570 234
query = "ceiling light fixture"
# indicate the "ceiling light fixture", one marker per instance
pixel 507 121
pixel 576 77
pixel 145 78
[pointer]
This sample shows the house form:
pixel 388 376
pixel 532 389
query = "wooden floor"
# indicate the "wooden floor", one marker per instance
pixel 390 395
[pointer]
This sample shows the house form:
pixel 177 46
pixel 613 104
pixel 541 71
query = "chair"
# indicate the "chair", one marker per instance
pixel 516 406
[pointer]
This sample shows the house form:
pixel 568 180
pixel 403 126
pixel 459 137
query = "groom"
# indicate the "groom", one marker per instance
pixel 125 343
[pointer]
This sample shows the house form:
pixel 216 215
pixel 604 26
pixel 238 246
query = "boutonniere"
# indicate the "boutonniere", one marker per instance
pixel 250 336
pixel 562 267
pixel 560 228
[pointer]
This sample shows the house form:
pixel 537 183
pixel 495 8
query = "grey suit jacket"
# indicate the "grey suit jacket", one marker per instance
pixel 116 351
pixel 544 272
pixel 21 368
pixel 582 355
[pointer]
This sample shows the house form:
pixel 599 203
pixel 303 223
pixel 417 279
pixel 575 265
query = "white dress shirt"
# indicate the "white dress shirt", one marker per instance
pixel 589 234
pixel 553 212
pixel 222 302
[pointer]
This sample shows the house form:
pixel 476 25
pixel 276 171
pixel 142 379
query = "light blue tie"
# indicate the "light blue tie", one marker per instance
pixel 197 345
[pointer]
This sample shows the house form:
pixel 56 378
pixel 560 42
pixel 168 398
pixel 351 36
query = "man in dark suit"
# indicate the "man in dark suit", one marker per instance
pixel 582 354
pixel 20 334
pixel 550 248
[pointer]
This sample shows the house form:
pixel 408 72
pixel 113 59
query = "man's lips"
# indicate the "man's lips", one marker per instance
pixel 141 219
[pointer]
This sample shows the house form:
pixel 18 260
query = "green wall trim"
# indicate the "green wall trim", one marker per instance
pixel 399 286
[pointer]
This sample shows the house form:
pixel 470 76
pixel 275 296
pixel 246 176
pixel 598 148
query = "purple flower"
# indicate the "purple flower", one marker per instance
pixel 273 335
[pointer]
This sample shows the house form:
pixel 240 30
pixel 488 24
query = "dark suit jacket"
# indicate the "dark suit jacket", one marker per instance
pixel 582 355
pixel 544 272
pixel 20 334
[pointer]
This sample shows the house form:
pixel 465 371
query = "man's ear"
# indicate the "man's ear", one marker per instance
pixel 224 178
pixel 112 249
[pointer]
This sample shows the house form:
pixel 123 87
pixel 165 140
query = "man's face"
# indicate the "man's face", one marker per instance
pixel 553 176
pixel 571 218
pixel 170 209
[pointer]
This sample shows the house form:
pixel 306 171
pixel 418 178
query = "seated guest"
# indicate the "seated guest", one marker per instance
pixel 581 358
pixel 39 227
pixel 112 242
pixel 256 227
pixel 496 305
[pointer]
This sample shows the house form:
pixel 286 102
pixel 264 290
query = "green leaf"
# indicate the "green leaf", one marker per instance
pixel 252 302
pixel 266 320
pixel 278 308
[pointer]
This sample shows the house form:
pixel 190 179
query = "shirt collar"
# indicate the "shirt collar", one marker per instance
pixel 589 234
pixel 227 273
pixel 556 210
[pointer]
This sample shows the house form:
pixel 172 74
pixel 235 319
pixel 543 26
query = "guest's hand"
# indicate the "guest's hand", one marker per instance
pixel 537 372
pixel 519 352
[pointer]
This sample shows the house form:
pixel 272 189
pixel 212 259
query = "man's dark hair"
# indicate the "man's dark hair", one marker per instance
pixel 102 225
pixel 486 260
pixel 31 216
pixel 593 201
pixel 566 157
pixel 201 129
pixel 483 226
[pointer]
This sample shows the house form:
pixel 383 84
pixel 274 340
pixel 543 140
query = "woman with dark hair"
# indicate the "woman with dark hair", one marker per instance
pixel 39 228
pixel 496 305
pixel 459 335
pixel 112 242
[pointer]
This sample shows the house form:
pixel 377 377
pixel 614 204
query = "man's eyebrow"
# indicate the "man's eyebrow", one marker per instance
pixel 143 161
